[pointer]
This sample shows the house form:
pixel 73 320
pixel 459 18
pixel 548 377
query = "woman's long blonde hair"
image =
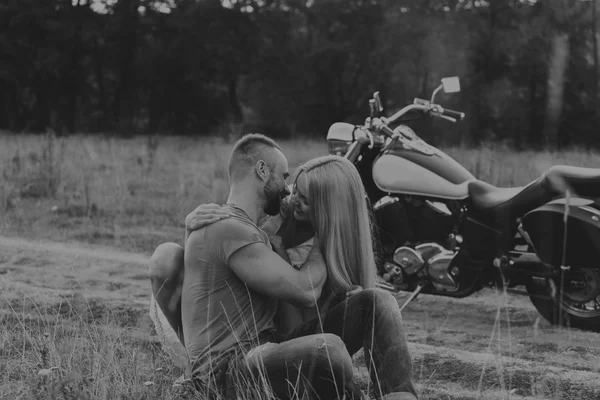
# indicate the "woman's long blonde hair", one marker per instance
pixel 340 216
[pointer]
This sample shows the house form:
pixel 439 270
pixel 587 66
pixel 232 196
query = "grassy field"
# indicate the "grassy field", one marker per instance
pixel 83 214
pixel 134 194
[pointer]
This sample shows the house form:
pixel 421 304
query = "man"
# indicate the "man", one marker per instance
pixel 232 283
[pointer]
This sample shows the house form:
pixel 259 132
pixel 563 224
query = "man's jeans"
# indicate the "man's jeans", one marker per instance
pixel 370 319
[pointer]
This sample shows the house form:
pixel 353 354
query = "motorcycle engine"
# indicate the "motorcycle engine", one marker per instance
pixel 409 231
pixel 428 260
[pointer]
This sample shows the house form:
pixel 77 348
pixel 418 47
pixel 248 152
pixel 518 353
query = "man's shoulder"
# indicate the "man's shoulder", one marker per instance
pixel 232 227
pixel 230 223
pixel 225 237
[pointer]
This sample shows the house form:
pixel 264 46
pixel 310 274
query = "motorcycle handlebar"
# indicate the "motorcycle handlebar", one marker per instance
pixel 427 107
pixel 408 108
pixel 454 114
pixel 435 110
pixel 387 131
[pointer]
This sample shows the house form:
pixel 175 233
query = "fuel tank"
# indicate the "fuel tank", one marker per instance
pixel 431 174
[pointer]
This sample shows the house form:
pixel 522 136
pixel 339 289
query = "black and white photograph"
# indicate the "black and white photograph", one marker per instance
pixel 299 199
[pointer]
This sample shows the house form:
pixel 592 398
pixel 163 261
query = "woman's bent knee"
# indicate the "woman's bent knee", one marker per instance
pixel 336 354
pixel 166 261
pixel 377 297
pixel 323 351
pixel 330 341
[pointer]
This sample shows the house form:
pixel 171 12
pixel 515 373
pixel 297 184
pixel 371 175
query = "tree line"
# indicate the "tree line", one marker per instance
pixel 528 69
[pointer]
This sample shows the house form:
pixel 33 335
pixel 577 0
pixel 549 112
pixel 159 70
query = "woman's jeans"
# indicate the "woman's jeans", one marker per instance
pixel 370 319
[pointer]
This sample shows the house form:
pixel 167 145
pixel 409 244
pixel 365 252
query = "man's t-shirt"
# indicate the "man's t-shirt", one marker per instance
pixel 218 309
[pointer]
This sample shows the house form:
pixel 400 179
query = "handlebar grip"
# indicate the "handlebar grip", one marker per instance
pixel 459 116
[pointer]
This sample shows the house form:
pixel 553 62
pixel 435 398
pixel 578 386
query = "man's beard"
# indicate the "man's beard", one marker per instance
pixel 273 196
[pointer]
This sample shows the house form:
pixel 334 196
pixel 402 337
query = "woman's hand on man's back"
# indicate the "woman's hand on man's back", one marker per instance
pixel 203 215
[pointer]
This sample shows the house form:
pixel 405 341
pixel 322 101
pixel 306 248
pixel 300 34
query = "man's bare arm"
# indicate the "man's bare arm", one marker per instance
pixel 264 271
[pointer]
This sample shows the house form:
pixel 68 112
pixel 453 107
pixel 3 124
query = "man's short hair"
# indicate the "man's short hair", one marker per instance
pixel 247 151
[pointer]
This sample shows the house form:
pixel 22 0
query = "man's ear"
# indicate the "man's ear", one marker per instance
pixel 262 170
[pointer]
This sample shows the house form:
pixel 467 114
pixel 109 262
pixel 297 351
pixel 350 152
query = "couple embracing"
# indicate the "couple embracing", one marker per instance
pixel 275 291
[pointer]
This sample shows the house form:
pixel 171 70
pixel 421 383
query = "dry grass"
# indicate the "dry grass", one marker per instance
pixel 70 355
pixel 134 194
pixel 60 337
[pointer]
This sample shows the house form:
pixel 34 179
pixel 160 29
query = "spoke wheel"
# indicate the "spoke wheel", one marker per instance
pixel 578 303
pixel 581 293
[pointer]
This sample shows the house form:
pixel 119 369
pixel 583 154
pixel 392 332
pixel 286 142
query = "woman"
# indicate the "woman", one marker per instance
pixel 328 200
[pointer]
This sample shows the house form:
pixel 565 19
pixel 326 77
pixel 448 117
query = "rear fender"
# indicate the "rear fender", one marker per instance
pixel 546 228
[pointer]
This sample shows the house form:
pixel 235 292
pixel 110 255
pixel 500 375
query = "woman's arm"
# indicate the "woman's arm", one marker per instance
pixel 204 214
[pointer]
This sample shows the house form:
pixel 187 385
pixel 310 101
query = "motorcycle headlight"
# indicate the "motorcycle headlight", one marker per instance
pixel 338 147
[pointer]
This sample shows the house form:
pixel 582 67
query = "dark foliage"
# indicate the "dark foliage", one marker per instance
pixel 528 68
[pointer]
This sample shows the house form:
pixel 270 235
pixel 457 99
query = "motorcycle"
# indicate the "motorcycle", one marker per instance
pixel 441 231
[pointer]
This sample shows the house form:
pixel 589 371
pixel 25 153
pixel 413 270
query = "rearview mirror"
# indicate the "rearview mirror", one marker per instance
pixel 451 84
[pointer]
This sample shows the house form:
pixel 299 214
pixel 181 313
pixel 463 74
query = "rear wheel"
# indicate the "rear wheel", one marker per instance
pixel 578 306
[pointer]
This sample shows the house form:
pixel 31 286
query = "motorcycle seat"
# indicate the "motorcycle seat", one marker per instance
pixel 486 196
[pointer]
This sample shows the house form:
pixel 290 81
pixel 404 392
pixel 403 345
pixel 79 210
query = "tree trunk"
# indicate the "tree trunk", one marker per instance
pixel 124 96
pixel 71 77
pixel 425 82
pixel 595 45
pixel 236 109
pixel 9 106
pixel 99 72
pixel 533 134
pixel 557 69
pixel 42 118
